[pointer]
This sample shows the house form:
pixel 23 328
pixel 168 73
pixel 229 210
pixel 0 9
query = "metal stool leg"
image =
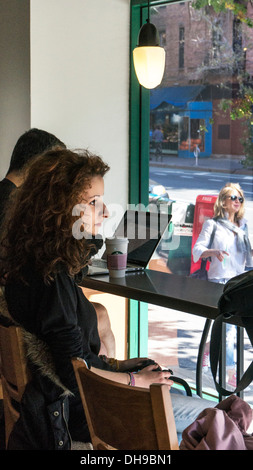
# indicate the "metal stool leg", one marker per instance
pixel 240 355
pixel 200 357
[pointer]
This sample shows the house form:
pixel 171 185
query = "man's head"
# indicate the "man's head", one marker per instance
pixel 31 143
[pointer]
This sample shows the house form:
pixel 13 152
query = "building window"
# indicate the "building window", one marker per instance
pixel 224 131
pixel 216 39
pixel 239 53
pixel 237 36
pixel 181 47
pixel 162 37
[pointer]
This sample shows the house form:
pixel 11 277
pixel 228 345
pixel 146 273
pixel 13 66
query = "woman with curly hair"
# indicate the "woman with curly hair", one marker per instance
pixel 230 252
pixel 43 252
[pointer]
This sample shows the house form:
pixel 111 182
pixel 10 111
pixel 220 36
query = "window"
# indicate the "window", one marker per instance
pixel 192 109
pixel 195 108
pixel 162 37
pixel 223 131
pixel 239 53
pixel 216 39
pixel 237 36
pixel 181 48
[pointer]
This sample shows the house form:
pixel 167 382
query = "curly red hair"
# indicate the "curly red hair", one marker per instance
pixel 39 222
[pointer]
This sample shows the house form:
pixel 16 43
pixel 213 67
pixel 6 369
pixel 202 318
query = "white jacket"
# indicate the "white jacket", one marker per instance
pixel 224 240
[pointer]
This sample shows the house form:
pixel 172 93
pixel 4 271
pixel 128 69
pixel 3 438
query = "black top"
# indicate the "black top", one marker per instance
pixel 6 188
pixel 59 314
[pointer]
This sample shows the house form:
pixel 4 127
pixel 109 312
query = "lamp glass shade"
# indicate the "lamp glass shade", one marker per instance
pixel 149 63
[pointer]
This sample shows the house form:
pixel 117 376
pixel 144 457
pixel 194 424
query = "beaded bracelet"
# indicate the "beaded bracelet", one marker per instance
pixel 132 379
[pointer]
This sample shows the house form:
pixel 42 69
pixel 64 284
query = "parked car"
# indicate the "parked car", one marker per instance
pixel 158 194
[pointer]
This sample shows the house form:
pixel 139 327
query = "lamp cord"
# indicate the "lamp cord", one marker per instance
pixel 148 20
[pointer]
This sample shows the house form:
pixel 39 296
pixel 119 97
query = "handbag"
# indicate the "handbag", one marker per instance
pixel 235 301
pixel 201 273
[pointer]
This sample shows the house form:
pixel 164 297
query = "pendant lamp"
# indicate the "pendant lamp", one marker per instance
pixel 148 56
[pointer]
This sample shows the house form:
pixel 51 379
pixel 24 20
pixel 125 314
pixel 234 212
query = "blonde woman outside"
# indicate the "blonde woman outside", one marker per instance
pixel 230 252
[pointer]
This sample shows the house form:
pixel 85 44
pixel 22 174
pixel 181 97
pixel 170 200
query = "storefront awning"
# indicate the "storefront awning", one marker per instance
pixel 177 96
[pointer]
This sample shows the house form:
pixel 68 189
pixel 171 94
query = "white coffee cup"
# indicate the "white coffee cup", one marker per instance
pixel 116 251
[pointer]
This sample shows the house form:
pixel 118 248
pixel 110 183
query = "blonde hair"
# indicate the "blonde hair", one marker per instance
pixel 226 191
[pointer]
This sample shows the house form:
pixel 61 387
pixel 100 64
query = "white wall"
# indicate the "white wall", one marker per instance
pixel 80 79
pixel 67 71
pixel 14 76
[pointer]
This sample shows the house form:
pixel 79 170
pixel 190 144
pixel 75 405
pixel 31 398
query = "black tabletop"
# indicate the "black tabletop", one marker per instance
pixel 167 290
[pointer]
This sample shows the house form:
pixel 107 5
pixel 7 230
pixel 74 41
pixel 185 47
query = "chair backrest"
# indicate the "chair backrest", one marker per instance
pixel 126 418
pixel 14 373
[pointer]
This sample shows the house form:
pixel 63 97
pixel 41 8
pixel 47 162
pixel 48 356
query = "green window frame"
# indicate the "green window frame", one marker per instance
pixel 139 120
pixel 138 180
pixel 138 169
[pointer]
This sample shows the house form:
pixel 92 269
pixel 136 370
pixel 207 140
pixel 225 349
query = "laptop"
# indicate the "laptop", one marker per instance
pixel 144 231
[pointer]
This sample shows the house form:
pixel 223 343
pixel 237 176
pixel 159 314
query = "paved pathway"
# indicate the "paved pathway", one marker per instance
pixel 221 164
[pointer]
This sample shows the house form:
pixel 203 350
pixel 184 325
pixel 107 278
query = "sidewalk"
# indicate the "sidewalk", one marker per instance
pixel 215 164
pixel 173 342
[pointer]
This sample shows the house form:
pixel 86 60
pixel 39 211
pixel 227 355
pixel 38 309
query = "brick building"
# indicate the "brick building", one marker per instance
pixel 206 56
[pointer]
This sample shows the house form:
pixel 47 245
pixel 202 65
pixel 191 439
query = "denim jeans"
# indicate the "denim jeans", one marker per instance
pixel 186 409
pixel 230 337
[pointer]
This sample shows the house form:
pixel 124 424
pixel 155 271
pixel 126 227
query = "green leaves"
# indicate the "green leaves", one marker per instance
pixel 242 106
pixel 239 9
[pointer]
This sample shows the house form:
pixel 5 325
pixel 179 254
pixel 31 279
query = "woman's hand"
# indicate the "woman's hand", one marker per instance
pixel 220 254
pixel 147 376
pixel 144 378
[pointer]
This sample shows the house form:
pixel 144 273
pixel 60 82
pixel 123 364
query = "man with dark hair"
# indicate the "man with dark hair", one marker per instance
pixel 31 143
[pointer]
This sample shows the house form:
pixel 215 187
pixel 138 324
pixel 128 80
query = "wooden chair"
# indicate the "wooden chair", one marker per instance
pixel 14 373
pixel 14 376
pixel 126 418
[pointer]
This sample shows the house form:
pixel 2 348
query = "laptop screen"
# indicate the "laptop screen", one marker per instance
pixel 144 231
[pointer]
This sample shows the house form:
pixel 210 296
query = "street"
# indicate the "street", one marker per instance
pixel 174 339
pixel 186 184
